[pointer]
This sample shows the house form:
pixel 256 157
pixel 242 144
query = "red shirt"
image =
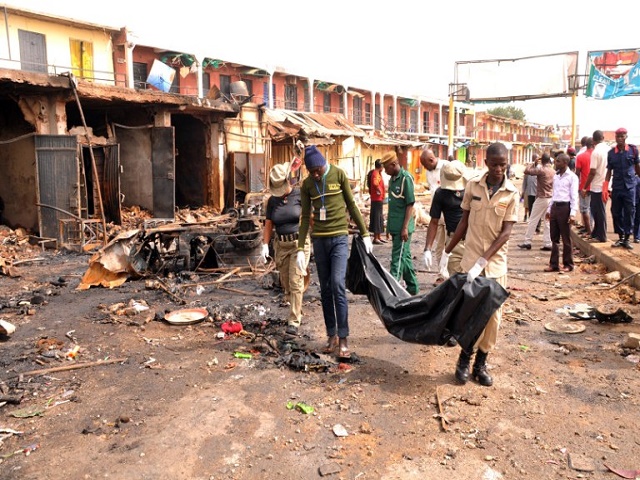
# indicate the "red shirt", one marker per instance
pixel 583 163
pixel 377 186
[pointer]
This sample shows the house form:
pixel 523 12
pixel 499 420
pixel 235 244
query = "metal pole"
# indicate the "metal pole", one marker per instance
pixel 94 168
pixel 573 118
pixel 451 124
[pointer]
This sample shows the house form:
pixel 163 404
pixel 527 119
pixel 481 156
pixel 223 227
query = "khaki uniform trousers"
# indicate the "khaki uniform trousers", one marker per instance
pixel 291 277
pixel 489 335
pixel 453 266
pixel 440 242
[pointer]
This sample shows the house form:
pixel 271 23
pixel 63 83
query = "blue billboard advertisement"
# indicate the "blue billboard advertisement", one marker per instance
pixel 613 73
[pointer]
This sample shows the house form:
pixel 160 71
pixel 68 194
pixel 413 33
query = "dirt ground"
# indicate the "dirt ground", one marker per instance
pixel 174 402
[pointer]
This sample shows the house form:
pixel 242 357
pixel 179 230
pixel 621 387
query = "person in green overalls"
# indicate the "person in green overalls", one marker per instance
pixel 400 221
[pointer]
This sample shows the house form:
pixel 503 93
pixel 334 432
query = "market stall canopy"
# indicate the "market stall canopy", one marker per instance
pixel 319 128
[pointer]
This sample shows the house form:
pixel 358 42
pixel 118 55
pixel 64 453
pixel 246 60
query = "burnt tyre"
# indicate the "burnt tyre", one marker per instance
pixel 246 235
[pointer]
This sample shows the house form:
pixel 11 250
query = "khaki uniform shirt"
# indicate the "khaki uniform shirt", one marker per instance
pixel 486 216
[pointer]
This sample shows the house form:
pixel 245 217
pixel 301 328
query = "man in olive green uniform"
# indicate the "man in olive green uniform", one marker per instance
pixel 400 221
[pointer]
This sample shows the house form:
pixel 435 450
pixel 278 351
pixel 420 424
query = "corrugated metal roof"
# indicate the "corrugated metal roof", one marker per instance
pixel 283 124
pixel 336 124
pixel 391 141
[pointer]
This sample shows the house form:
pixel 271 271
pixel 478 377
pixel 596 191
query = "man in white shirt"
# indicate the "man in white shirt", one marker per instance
pixel 598 187
pixel 561 214
pixel 433 165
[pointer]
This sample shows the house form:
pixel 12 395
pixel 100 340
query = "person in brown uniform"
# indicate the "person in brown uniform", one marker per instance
pixel 490 209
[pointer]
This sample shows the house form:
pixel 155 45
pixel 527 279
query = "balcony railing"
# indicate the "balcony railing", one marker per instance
pixel 97 76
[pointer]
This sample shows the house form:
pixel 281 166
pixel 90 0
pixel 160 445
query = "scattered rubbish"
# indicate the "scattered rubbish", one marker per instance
pixel 186 316
pixel 6 328
pixel 26 450
pixel 73 352
pixel 305 362
pixel 7 268
pixel 301 407
pixel 632 341
pixel 132 308
pixel 605 315
pixel 443 420
pixel 329 469
pixel 242 355
pixel 70 336
pixel 632 474
pixel 48 344
pixel 612 277
pixel 27 412
pixel 340 431
pixel 581 311
pixel 231 326
pixel 73 366
pixel 632 358
pixel 561 326
pixel 580 463
pixel 524 348
pixel 7 433
pixel 173 247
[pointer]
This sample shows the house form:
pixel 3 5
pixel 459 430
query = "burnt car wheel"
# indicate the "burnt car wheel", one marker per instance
pixel 246 235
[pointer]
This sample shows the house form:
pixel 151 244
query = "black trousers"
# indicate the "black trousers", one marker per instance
pixel 598 213
pixel 559 228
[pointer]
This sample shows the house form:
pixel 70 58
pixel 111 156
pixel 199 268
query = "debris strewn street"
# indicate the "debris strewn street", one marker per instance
pixel 191 375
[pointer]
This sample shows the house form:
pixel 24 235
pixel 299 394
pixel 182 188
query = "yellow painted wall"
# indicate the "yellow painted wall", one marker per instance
pixel 57 38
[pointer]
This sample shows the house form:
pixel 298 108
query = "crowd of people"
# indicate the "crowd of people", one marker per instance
pixel 472 218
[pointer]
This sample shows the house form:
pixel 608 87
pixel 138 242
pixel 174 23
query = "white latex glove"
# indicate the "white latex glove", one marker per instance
pixel 444 264
pixel 301 261
pixel 428 260
pixel 264 253
pixel 368 244
pixel 476 269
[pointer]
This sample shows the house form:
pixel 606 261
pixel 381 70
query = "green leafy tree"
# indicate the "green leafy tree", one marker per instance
pixel 508 112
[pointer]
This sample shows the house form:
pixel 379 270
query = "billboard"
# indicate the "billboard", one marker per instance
pixel 506 80
pixel 613 73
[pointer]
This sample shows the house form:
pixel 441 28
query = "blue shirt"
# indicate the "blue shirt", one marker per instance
pixel 622 163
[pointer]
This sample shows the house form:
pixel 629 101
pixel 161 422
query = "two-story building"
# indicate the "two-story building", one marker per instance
pixel 521 138
pixel 96 120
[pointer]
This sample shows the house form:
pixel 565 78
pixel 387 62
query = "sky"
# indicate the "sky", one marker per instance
pixel 404 47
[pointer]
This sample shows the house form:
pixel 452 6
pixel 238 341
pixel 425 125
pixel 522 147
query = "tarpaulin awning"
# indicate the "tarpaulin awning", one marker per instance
pixel 454 308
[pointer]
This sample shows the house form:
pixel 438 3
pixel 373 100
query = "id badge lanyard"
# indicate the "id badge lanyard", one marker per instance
pixel 323 210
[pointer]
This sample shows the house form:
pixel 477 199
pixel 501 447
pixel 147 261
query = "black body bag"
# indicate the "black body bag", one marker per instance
pixel 454 308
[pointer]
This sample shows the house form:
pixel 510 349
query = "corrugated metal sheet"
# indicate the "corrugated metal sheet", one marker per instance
pixel 286 124
pixel 57 172
pixel 392 141
pixel 334 123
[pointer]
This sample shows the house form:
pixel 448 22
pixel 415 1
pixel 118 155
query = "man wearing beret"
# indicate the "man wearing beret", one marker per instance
pixel 325 194
pixel 623 163
pixel 400 221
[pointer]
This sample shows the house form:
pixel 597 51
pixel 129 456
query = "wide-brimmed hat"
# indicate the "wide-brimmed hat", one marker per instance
pixel 452 176
pixel 278 179
pixel 388 157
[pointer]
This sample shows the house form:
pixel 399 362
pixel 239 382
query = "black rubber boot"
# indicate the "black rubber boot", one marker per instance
pixel 626 243
pixel 480 373
pixel 462 367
